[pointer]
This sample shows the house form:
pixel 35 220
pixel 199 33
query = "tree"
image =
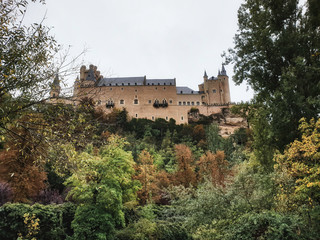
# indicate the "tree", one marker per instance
pixel 301 163
pixel 26 62
pixel 185 174
pixel 277 52
pixel 102 181
pixel 214 166
pixel 146 174
pixel 22 162
pixel 215 141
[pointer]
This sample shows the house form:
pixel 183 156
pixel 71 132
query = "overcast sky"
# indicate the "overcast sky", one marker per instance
pixel 154 38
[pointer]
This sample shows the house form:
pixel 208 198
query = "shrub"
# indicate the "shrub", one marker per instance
pixel 54 220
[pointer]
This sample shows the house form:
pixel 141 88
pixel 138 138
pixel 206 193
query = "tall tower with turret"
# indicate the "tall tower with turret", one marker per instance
pixel 215 89
pixel 224 91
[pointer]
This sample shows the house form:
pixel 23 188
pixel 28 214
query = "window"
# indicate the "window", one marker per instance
pixel 170 101
pixel 135 84
pixel 182 118
pixel 221 90
pixel 180 103
pixel 110 89
pixel 184 103
pixel 164 88
pixel 122 84
pixel 214 90
pixel 116 84
pixel 149 101
pixel 110 85
pixel 167 118
pixel 148 83
pixel 121 101
pixel 136 115
pixel 198 103
pixel 192 103
pixel 128 84
pixel 152 117
pixel 181 91
pixel 135 101
pixel 122 89
pixel 110 104
pixel 188 103
pixel 136 90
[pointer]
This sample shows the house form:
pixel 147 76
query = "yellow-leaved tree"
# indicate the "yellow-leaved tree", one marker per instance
pixel 299 169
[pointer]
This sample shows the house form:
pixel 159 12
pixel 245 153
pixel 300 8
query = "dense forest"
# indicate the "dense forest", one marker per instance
pixel 77 173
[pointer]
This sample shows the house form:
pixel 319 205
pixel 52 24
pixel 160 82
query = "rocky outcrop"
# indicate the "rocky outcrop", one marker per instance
pixel 227 121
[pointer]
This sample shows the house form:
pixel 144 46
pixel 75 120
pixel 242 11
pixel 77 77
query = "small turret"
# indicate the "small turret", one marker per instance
pixel 55 88
pixel 205 76
pixel 223 71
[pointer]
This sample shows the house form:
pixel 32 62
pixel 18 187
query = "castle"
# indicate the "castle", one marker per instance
pixel 149 98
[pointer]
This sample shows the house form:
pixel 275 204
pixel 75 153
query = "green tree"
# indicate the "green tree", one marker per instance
pixel 214 140
pixel 277 52
pixel 26 62
pixel 102 181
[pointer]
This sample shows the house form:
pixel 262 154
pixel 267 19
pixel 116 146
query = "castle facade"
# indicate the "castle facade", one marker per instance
pixel 150 98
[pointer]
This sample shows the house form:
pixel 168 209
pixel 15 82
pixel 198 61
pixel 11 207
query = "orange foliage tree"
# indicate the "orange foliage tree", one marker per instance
pixel 151 180
pixel 185 174
pixel 214 166
pixel 22 159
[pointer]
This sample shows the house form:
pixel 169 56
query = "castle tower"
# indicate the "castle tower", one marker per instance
pixel 215 89
pixel 55 88
pixel 224 91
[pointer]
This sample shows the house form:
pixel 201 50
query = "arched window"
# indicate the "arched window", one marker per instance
pixel 121 101
pixel 135 101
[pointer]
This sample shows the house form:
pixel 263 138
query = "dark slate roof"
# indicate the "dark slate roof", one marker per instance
pixel 186 90
pixel 161 82
pixel 123 81
pixel 213 78
pixel 223 71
